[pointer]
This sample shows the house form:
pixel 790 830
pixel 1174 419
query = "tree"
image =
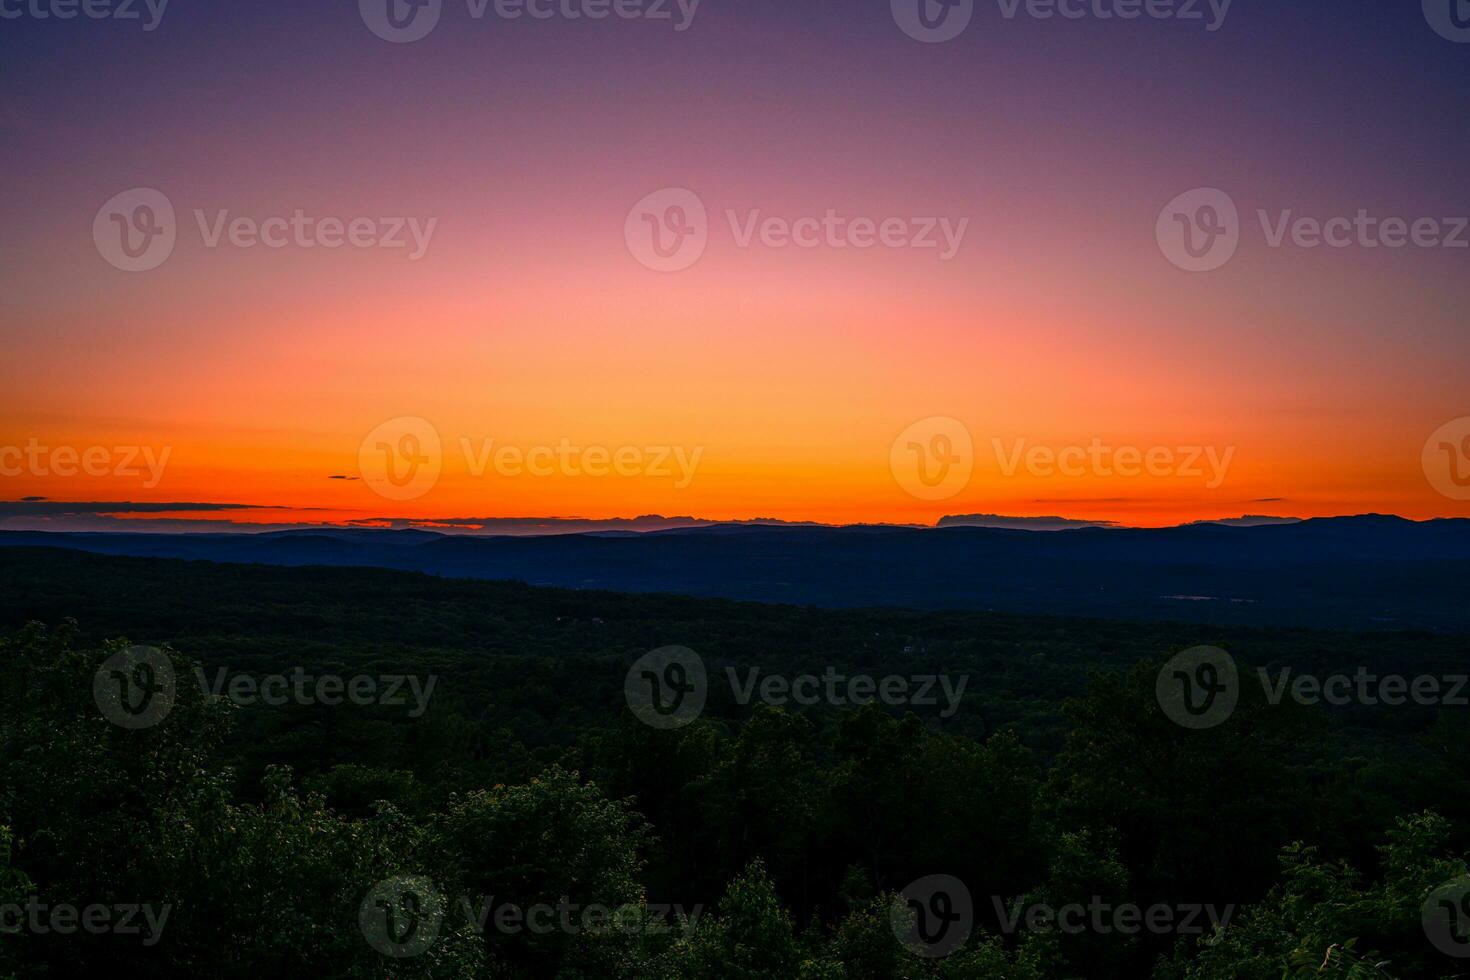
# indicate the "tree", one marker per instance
pixel 554 843
pixel 1322 921
pixel 749 937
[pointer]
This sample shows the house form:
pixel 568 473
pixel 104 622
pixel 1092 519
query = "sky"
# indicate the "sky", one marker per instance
pixel 753 259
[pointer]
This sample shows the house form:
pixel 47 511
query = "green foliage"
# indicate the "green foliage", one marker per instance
pixel 757 842
pixel 551 840
pixel 1322 916
pixel 14 887
pixel 750 937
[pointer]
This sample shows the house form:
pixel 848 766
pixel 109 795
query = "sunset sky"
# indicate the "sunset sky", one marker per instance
pixel 787 372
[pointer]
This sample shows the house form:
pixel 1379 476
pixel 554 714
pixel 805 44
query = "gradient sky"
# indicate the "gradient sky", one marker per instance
pixel 528 320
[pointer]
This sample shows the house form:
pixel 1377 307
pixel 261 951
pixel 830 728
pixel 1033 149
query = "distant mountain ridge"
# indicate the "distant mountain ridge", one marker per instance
pixel 1371 571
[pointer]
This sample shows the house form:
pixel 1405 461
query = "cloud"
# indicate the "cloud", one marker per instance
pixel 41 514
pixel 44 515
pixel 1019 523
pixel 1249 520
pixel 521 526
pixel 40 506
